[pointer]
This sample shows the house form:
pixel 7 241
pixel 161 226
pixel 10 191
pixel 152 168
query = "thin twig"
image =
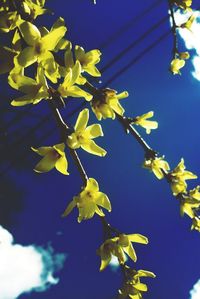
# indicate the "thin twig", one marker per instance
pixel 174 29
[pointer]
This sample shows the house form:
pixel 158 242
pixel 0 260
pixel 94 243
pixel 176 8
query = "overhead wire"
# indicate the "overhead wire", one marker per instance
pixel 117 74
pixel 113 37
pixel 109 40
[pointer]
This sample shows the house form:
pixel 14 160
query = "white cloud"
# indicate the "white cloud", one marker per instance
pixel 25 268
pixel 195 292
pixel 191 39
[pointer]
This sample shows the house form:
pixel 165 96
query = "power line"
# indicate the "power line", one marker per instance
pixel 105 44
pixel 133 44
pixel 127 26
pixel 137 58
pixel 133 61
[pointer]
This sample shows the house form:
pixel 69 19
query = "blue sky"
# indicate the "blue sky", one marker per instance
pixel 141 203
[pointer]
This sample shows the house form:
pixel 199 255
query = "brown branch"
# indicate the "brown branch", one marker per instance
pixel 65 131
pixel 174 29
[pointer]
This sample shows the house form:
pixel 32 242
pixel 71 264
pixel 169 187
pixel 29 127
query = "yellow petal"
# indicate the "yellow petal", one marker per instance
pixel 29 32
pixel 26 57
pixel 52 38
pixel 46 164
pixel 137 238
pixel 24 100
pixel 131 252
pixel 93 71
pixel 103 201
pixel 62 165
pixel 94 131
pixel 144 273
pixel 60 148
pixel 77 92
pixel 82 120
pixel 76 71
pixel 92 185
pixel 79 52
pixel 43 150
pixel 141 287
pixel 92 148
pixel 99 212
pixel 69 208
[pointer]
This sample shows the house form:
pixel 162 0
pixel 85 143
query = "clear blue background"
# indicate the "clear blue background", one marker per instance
pixel 31 204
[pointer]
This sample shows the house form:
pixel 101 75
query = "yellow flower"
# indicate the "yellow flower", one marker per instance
pixel 35 90
pixel 54 156
pixel 184 4
pixel 196 223
pixel 176 65
pixel 143 121
pixel 83 135
pixel 132 286
pixel 34 8
pixel 8 21
pixel 88 202
pixel 40 47
pixel 88 60
pixel 184 55
pixel 119 246
pixel 107 104
pixel 188 24
pixel 187 206
pixel 194 193
pixel 190 203
pixel 67 88
pixel 178 176
pixel 158 166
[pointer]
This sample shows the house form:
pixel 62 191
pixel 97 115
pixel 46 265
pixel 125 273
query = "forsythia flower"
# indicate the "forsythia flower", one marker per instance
pixel 143 121
pixel 8 21
pixel 157 165
pixel 88 60
pixel 40 47
pixel 35 90
pixel 187 206
pixel 118 246
pixel 184 55
pixel 133 287
pixel 178 176
pixel 34 8
pixel 107 104
pixel 194 193
pixel 185 4
pixel 179 62
pixel 176 65
pixel 196 223
pixel 67 88
pixel 54 156
pixel 83 135
pixel 88 202
pixel 191 202
pixel 188 24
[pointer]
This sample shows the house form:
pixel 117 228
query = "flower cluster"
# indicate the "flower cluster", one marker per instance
pixel 119 246
pixel 189 200
pixel 106 103
pixel 133 287
pixel 54 156
pixel 89 201
pixel 184 4
pixel 83 136
pixel 143 121
pixel 178 62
